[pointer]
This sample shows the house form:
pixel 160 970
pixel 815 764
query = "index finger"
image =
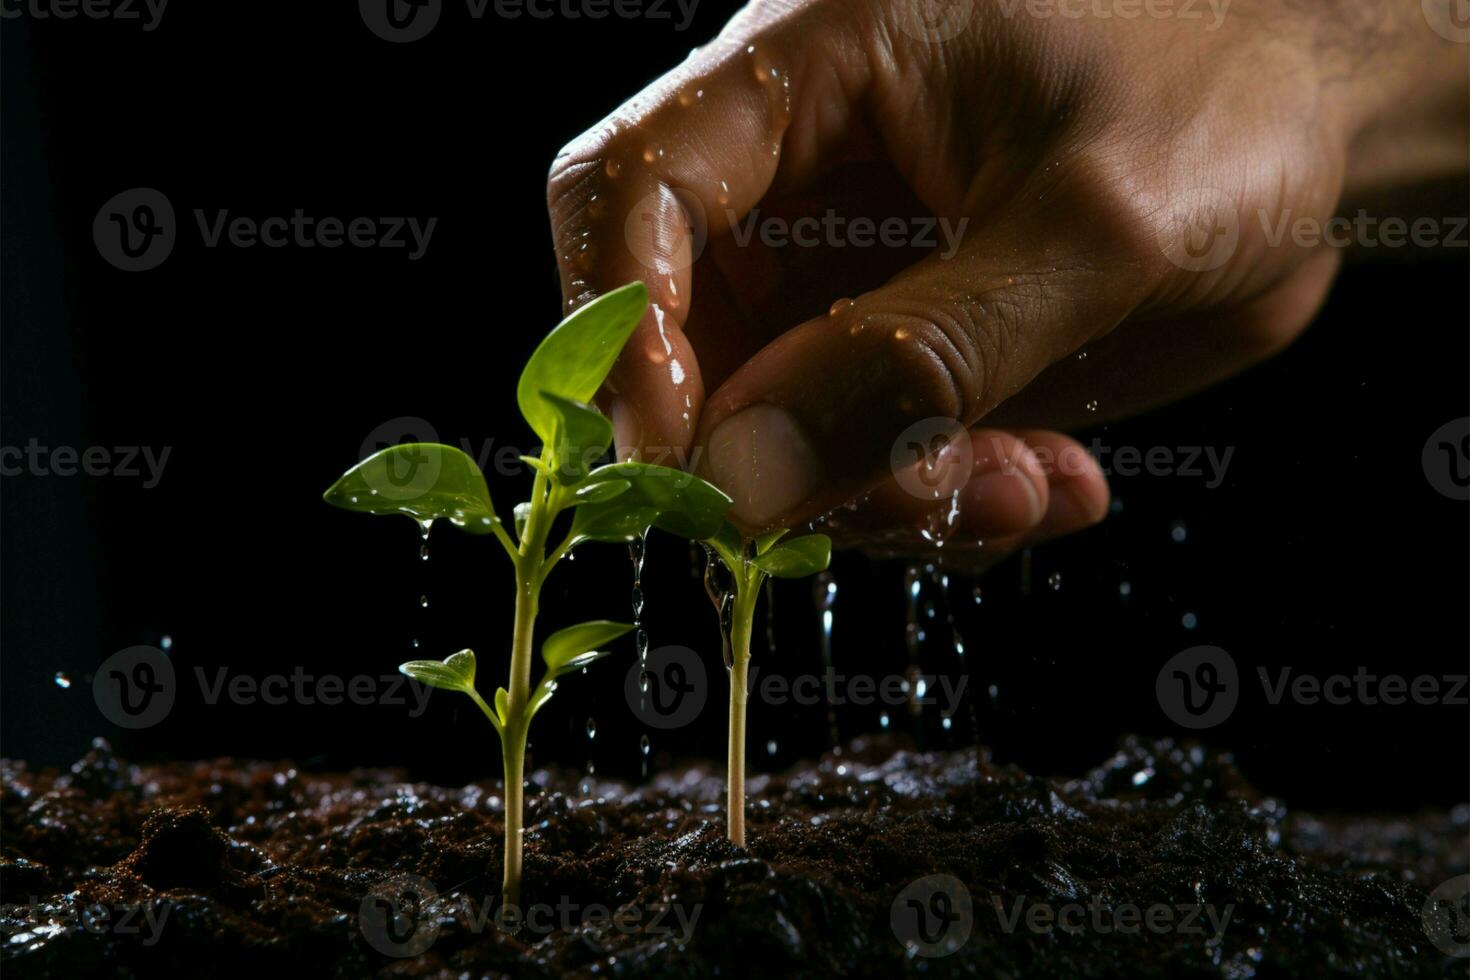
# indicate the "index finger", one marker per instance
pixel 637 197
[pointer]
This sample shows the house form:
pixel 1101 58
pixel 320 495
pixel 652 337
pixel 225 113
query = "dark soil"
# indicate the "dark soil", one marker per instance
pixel 241 868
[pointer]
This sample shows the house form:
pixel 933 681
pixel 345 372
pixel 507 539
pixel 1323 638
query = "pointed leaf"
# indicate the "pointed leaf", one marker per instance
pixel 502 705
pixel 681 503
pixel 582 435
pixel 565 645
pixel 456 673
pixel 796 559
pixel 423 480
pixel 575 357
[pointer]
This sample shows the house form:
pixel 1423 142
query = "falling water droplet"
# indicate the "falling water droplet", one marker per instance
pixel 591 728
pixel 424 602
pixel 62 680
pixel 1082 355
pixel 771 747
pixel 1092 405
pixel 883 721
pixel 840 307
pixel 423 552
pixel 425 526
pixel 166 643
pixel 1055 581
pixel 718 587
pixel 1190 620
pixel 824 592
pixel 1125 589
pixel 644 745
pixel 1178 532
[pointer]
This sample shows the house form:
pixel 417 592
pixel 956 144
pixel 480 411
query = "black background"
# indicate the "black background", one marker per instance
pixel 263 371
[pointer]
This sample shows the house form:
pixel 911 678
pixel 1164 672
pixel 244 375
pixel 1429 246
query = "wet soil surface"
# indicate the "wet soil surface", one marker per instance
pixel 877 862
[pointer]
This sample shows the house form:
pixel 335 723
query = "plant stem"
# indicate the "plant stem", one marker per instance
pixel 518 695
pixel 741 623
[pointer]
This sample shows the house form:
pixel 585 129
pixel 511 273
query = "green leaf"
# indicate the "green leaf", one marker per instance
pixel 563 646
pixel 678 502
pixel 574 359
pixel 423 480
pixel 456 673
pixel 502 705
pixel 599 493
pixel 764 542
pixel 582 435
pixel 796 559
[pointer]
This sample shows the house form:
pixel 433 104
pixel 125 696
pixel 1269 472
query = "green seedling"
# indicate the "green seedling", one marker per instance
pixel 614 502
pixel 748 564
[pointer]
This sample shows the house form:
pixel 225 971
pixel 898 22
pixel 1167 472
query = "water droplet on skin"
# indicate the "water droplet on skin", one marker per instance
pixel 612 168
pixel 63 681
pixel 652 154
pixel 723 197
pixel 1092 405
pixel 1082 355
pixel 841 306
pixel 1055 581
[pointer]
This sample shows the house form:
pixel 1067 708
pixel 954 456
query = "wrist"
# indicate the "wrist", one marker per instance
pixel 1400 91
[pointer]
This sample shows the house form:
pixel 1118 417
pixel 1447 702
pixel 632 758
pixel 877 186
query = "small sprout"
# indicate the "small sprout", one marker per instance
pixel 616 502
pixel 749 564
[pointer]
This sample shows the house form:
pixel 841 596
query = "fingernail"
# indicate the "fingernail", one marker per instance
pixel 627 429
pixel 1008 501
pixel 760 457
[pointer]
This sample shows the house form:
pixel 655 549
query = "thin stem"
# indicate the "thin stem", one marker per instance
pixel 529 563
pixel 747 590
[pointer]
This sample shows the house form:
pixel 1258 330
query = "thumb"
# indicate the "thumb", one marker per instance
pixel 812 420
